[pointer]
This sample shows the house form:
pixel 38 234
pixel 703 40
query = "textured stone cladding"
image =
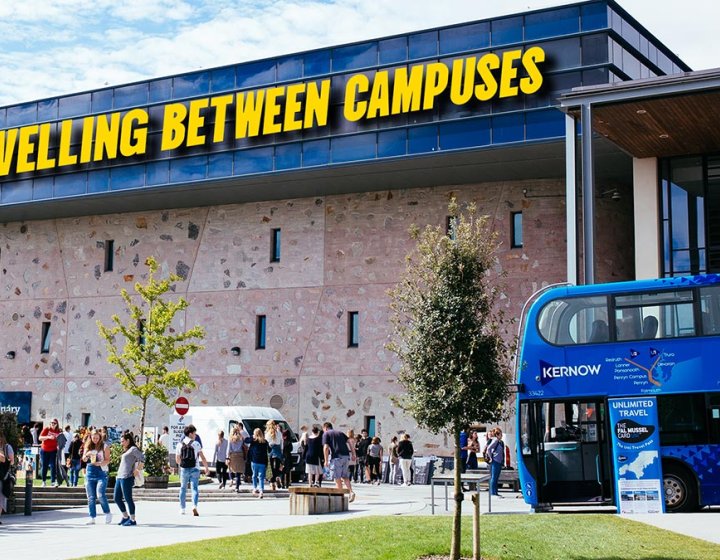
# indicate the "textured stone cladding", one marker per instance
pixel 339 254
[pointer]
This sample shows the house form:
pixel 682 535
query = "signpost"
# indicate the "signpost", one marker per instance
pixel 178 421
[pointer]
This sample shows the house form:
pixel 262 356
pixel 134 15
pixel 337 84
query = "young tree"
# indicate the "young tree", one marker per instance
pixel 448 334
pixel 146 348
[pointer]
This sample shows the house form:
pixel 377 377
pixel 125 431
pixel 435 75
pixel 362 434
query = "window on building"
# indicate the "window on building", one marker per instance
pixel 109 254
pixel 275 245
pixel 85 419
pixel 45 338
pixel 260 332
pixel 517 232
pixel 370 425
pixel 353 329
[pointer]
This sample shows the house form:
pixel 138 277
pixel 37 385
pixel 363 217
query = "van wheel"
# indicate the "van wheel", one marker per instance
pixel 679 489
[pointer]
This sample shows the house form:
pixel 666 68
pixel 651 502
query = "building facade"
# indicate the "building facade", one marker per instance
pixel 282 191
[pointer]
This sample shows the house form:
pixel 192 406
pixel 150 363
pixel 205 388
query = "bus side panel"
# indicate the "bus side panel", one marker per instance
pixel 704 460
pixel 528 485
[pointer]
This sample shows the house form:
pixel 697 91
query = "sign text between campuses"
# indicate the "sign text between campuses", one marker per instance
pixel 224 118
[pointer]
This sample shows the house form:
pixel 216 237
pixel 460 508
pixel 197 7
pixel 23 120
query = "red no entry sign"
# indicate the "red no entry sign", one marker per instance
pixel 182 405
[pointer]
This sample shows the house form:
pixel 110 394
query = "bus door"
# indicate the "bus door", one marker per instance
pixel 573 451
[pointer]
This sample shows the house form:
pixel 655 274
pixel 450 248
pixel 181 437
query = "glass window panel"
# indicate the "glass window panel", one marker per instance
pixel 392 143
pixel 595 49
pixel 102 101
pixel 507 30
pixel 575 321
pixel 631 65
pixel 188 169
pixel 517 230
pixel 630 34
pixel 316 152
pixel 288 156
pixel 354 56
pixel 160 90
pixel 423 44
pixel 682 419
pixel 220 165
pixel 710 309
pixel 552 23
pixel 222 79
pixel 508 128
pixel 256 160
pixel 157 173
pixel 18 115
pixel 317 62
pixel 17 191
pixel 464 134
pixel 129 177
pixel 664 63
pixel 255 73
pixel 465 38
pixel 422 139
pixel 70 185
pixel 594 16
pixel 353 148
pixel 98 181
pixel 47 110
pixel 546 123
pixel 290 68
pixel 42 188
pixel 156 113
pixel 595 77
pixel 191 85
pixel 3 118
pixel 564 53
pixel 131 96
pixel 554 86
pixel 74 105
pixel 393 50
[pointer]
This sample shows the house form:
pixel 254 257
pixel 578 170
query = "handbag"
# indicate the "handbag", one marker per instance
pixel 139 479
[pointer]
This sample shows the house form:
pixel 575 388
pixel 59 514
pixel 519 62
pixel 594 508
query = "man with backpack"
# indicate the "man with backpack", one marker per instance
pixel 186 454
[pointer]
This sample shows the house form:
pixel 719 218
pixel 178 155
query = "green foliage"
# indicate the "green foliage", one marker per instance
pixel 116 451
pixel 10 429
pixel 147 350
pixel 155 459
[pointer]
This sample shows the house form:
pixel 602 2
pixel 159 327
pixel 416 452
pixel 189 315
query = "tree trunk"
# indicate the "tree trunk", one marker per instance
pixel 142 424
pixel 476 526
pixel 458 496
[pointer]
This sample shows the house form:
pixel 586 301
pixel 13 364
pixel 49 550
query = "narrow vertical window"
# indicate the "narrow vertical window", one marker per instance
pixel 353 329
pixel 85 419
pixel 260 332
pixel 450 224
pixel 45 338
pixel 370 425
pixel 275 245
pixel 141 333
pixel 517 233
pixel 109 254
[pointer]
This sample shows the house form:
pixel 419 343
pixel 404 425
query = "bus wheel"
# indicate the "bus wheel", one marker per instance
pixel 680 493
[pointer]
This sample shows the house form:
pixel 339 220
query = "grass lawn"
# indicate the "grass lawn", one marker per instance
pixel 503 536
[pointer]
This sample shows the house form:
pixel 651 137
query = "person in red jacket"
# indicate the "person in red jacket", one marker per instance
pixel 49 451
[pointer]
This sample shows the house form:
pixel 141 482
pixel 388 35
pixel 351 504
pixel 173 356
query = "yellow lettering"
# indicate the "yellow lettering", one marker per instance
pixel 509 73
pixel 248 110
pixel 489 86
pixel 195 122
pixel 534 79
pixel 272 110
pixel 436 80
pixel 87 139
pixel 407 90
pixel 354 110
pixel 106 137
pixel 133 136
pixel 43 159
pixel 379 104
pixel 64 155
pixel 8 138
pixel 293 107
pixel 26 148
pixel 221 104
pixel 463 78
pixel 173 130
pixel 317 104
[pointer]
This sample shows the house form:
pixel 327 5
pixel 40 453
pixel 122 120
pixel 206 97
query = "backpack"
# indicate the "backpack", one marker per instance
pixel 187 456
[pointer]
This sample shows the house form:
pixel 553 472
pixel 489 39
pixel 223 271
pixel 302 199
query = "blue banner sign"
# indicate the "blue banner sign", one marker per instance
pixel 17 402
pixel 636 454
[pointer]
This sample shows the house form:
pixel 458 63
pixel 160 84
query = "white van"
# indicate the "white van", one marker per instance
pixel 209 420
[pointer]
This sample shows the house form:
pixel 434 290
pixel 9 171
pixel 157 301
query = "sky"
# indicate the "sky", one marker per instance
pixel 55 47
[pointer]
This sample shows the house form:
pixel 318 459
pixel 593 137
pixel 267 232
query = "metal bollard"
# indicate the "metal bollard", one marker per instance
pixel 29 478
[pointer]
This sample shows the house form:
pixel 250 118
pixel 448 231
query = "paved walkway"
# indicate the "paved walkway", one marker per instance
pixel 72 538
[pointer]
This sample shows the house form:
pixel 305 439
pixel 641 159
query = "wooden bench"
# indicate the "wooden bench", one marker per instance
pixel 305 500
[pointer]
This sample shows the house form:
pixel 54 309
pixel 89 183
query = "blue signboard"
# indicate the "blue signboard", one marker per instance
pixel 636 455
pixel 17 402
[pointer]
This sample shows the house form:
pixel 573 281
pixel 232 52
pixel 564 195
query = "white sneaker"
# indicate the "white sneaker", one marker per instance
pixel 351 499
pixel 91 522
pixel 182 512
pixel 42 485
pixel 108 518
pixel 54 484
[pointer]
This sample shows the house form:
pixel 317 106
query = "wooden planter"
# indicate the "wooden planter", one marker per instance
pixel 156 481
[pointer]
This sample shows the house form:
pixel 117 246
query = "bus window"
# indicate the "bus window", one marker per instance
pixel 647 316
pixel 682 419
pixel 574 321
pixel 710 308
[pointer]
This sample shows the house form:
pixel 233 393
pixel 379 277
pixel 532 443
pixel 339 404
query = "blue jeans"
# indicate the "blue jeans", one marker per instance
pixel 193 477
pixel 123 493
pixel 48 459
pixel 74 472
pixel 495 469
pixel 258 476
pixel 96 481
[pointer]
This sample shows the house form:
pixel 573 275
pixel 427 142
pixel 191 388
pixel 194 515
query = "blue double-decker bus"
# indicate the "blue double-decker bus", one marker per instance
pixel 582 345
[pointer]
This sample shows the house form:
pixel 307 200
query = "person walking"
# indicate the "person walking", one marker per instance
pixel 374 460
pixel 97 457
pixel 287 447
pixel 313 457
pixel 393 459
pixel 49 451
pixel 405 452
pixel 273 436
pixel 495 454
pixel 362 448
pixel 187 453
pixel 131 464
pixel 237 454
pixel 258 457
pixel 352 447
pixel 220 457
pixel 75 457
pixel 7 460
pixel 337 453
